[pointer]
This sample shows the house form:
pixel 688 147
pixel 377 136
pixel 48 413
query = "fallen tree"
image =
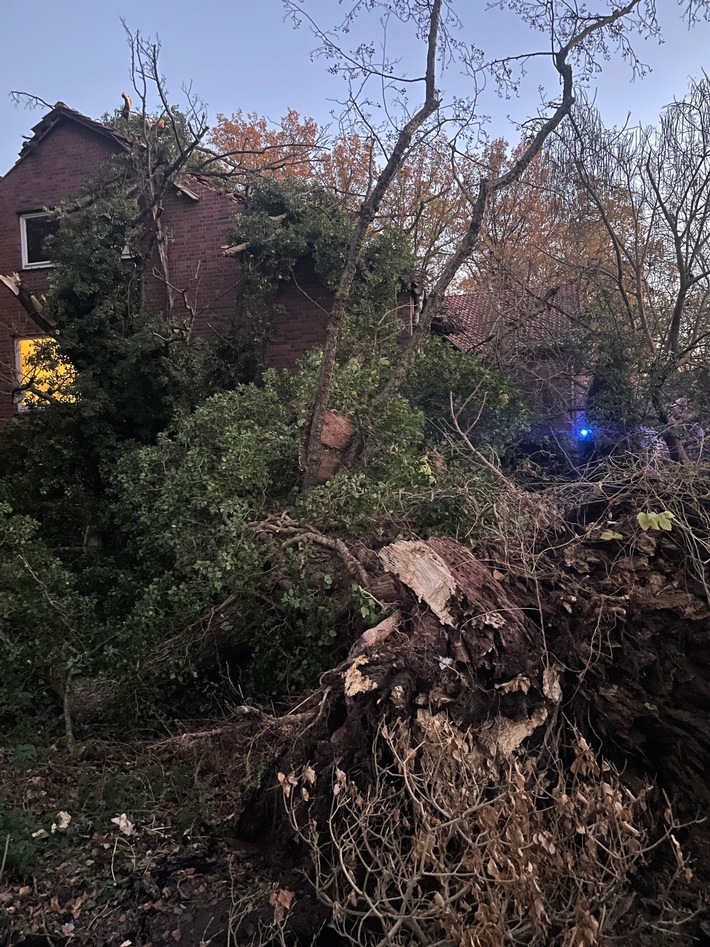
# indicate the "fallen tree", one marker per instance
pixel 516 754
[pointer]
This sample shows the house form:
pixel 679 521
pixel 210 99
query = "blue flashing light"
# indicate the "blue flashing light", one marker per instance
pixel 585 433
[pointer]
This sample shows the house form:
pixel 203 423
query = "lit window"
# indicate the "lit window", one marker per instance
pixel 41 370
pixel 37 233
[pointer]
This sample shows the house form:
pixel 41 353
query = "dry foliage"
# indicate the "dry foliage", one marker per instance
pixel 463 838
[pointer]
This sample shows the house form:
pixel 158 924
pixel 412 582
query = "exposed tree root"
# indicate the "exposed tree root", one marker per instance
pixel 489 765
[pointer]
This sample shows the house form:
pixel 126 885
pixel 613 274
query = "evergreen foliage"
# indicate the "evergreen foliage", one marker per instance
pixel 288 222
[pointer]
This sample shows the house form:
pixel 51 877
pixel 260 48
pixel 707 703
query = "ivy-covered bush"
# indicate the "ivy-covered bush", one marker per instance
pixel 190 504
pixel 405 478
pixel 492 409
pixel 287 222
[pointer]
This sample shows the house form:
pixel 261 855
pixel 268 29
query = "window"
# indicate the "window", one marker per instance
pixel 40 364
pixel 37 232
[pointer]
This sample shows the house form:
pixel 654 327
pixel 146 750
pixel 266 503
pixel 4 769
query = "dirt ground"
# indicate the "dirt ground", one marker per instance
pixel 128 845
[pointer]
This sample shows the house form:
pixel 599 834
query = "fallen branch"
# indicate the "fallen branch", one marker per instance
pixel 29 302
pixel 298 534
pixel 234 250
pixel 354 567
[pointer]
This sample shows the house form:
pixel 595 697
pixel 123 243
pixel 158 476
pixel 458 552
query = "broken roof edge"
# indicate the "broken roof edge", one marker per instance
pixel 61 110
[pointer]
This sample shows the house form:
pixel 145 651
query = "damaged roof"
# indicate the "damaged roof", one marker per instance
pixel 184 185
pixel 60 112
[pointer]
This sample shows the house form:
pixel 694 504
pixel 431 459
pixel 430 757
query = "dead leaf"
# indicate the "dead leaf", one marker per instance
pixel 551 687
pixel 63 820
pixel 519 683
pixel 124 824
pixel 287 782
pixel 281 902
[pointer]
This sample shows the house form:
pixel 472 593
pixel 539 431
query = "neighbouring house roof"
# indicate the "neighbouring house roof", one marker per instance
pixel 514 320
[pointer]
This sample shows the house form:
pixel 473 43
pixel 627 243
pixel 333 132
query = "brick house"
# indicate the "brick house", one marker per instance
pixel 530 337
pixel 65 151
pixel 514 332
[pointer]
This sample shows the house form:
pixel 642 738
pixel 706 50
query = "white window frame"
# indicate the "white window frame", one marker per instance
pixel 126 253
pixel 40 264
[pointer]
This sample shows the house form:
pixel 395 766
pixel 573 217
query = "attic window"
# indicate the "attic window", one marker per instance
pixel 37 233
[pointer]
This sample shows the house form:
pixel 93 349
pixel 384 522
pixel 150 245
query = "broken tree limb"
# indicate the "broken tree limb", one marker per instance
pixel 31 303
pixel 234 249
pixel 426 574
pixel 337 545
pixel 374 637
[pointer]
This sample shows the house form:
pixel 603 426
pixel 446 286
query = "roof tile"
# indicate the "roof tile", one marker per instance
pixel 514 320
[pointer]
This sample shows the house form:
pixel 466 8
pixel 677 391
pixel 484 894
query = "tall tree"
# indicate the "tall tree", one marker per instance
pixel 295 147
pixel 423 199
pixel 576 36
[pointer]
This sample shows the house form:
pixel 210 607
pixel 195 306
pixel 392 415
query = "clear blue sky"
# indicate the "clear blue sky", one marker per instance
pixel 243 54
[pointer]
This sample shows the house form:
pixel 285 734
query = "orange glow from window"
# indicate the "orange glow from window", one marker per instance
pixel 41 365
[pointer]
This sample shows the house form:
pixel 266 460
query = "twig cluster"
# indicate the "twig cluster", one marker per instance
pixel 456 839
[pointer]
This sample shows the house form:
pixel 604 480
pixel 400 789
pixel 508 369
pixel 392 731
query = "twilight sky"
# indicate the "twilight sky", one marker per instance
pixel 243 54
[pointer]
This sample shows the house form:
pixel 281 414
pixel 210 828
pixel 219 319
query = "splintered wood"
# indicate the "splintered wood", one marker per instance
pixel 426 574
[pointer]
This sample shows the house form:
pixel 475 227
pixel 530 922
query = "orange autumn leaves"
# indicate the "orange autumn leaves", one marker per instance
pixel 529 231
pixel 424 199
pixel 295 148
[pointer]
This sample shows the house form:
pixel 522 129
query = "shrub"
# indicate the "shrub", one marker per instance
pixel 46 626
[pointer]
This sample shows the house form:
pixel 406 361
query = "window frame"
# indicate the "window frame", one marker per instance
pixel 26 264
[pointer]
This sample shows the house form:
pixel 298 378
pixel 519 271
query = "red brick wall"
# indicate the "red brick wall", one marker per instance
pixel 54 171
pixel 196 232
pixel 300 326
pixel 305 310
